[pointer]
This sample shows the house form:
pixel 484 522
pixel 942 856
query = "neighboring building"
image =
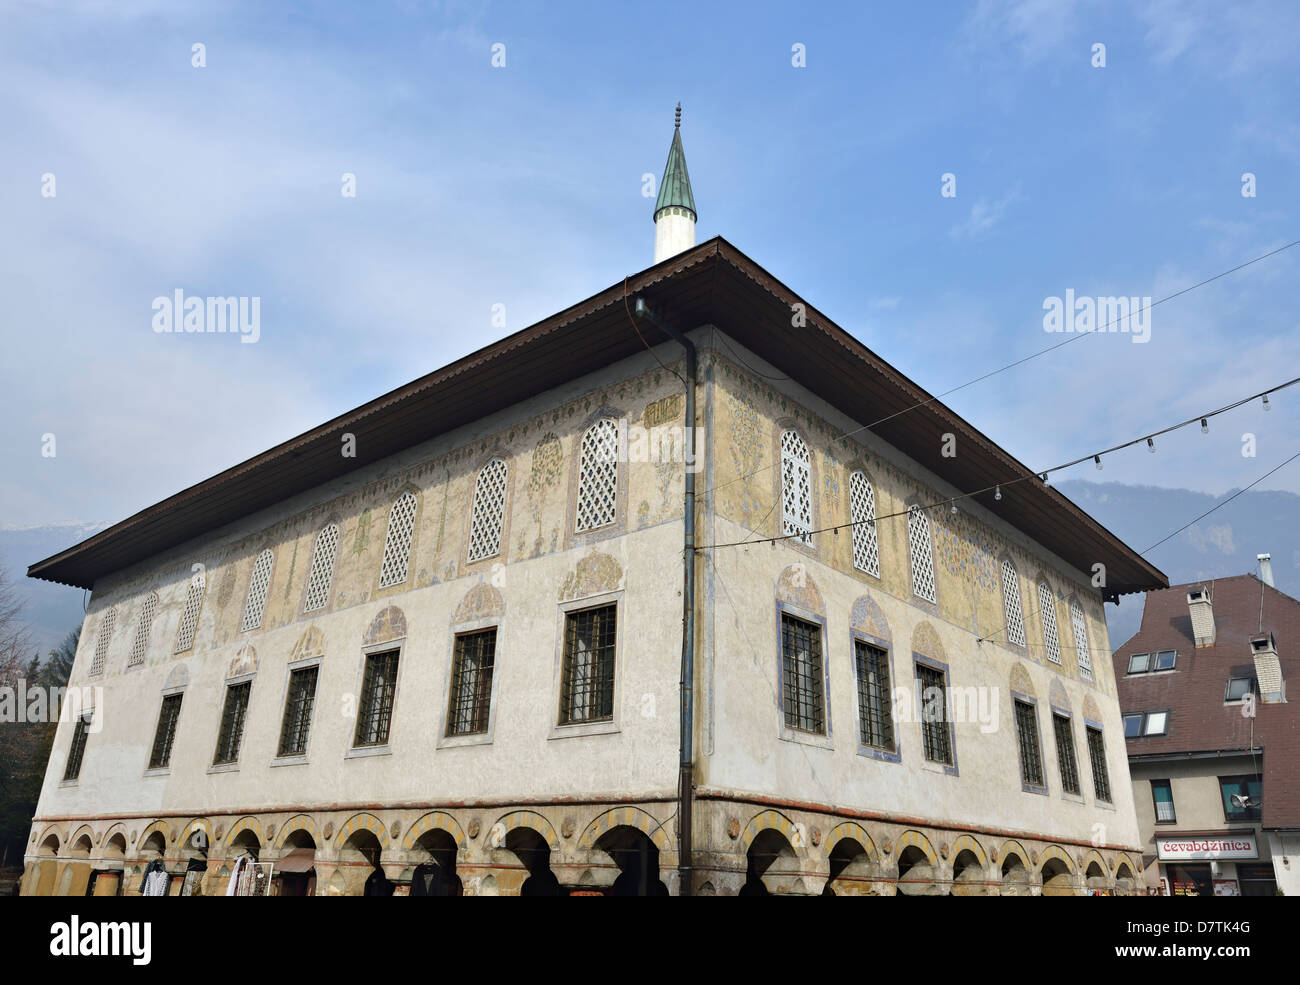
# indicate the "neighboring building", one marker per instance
pixel 1212 741
pixel 452 662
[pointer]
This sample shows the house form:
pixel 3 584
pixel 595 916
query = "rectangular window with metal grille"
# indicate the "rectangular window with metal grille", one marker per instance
pixel 875 720
pixel 801 673
pixel 1097 756
pixel 471 682
pixel 232 723
pixel 587 685
pixel 78 749
pixel 1065 754
pixel 298 705
pixel 1031 763
pixel 936 740
pixel 377 691
pixel 163 736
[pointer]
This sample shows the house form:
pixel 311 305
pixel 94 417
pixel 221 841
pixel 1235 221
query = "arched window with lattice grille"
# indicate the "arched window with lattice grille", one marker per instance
pixel 796 488
pixel 1081 640
pixel 143 626
pixel 190 614
pixel 1047 608
pixel 862 511
pixel 1011 607
pixel 922 552
pixel 255 604
pixel 488 511
pixel 397 542
pixel 598 476
pixel 321 573
pixel 106 626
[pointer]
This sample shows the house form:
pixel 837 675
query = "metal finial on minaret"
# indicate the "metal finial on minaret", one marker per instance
pixel 679 116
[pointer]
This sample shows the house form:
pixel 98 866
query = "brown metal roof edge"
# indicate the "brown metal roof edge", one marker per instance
pixel 712 249
pixel 913 391
pixel 626 288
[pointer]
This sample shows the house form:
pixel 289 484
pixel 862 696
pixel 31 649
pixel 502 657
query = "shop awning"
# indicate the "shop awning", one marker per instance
pixel 298 860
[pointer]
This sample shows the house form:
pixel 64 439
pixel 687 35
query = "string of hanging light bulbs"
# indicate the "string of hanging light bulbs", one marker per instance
pixel 996 488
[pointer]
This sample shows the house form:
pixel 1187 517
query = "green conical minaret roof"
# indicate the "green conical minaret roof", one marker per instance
pixel 675 189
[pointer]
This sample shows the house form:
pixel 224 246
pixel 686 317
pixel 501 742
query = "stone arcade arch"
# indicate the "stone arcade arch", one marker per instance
pixel 853 862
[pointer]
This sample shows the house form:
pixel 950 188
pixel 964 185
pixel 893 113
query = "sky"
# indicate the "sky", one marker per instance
pixel 521 184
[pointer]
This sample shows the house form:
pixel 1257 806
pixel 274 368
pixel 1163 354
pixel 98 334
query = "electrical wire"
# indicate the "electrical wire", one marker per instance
pixel 1019 362
pixel 1040 474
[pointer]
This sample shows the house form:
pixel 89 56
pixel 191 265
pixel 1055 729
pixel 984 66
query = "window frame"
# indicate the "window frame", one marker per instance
pixel 1155 802
pixel 1082 655
pixel 816 688
pixel 452 702
pixel 77 748
pixel 1090 729
pixel 197 580
pixel 230 765
pixel 1146 663
pixel 588 726
pixel 1252 688
pixel 1143 723
pixel 384 748
pixel 1060 715
pixel 894 753
pixel 298 666
pixel 1026 782
pixel 164 767
pixel 1252 814
pixel 919 661
pixel 103 641
pixel 1155 661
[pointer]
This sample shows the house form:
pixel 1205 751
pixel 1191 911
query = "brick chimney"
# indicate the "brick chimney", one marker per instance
pixel 1202 611
pixel 1268 669
pixel 1265 568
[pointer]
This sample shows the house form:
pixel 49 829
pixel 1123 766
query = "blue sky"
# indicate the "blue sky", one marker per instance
pixel 522 186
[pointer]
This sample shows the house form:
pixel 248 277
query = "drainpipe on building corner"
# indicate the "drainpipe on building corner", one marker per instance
pixel 685 779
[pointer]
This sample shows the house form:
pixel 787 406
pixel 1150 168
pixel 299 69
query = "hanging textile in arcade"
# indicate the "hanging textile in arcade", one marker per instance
pixel 155 879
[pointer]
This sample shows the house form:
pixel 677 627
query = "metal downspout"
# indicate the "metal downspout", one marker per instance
pixel 685 780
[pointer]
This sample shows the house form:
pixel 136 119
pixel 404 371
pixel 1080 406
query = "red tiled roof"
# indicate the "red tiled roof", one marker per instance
pixel 1199 720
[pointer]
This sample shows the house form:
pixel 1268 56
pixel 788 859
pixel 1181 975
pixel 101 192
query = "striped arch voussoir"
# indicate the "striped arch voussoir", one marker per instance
pixel 242 825
pixel 967 843
pixel 158 826
pixel 1121 860
pixel 854 831
pixel 433 821
pixel 774 821
pixel 1056 851
pixel 1016 849
pixel 299 822
pixel 527 819
pixel 915 838
pixel 362 822
pixel 630 817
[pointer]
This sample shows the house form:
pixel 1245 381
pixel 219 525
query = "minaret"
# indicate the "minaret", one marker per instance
pixel 675 208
